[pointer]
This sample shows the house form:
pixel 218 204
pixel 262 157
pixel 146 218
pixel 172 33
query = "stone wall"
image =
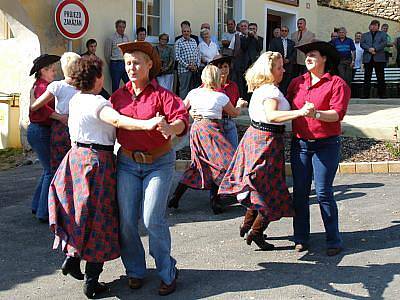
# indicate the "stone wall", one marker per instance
pixel 386 9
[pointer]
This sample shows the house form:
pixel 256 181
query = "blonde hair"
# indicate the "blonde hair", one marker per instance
pixel 261 71
pixel 67 61
pixel 211 76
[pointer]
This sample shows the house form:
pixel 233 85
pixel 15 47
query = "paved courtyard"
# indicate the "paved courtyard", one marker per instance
pixel 213 261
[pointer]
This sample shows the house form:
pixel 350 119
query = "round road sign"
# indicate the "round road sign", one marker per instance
pixel 72 19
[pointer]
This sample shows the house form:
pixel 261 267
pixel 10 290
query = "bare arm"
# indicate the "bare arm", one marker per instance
pixel 45 98
pixel 112 117
pixel 62 118
pixel 275 115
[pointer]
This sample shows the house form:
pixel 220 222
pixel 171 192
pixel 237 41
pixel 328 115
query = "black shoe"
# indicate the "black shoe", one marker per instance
pixel 94 288
pixel 173 202
pixel 215 205
pixel 72 266
pixel 259 240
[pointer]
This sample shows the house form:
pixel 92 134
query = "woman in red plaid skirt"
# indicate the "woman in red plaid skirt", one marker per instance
pixel 83 212
pixel 256 175
pixel 211 152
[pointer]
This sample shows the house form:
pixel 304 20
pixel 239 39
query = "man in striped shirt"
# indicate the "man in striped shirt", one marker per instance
pixel 188 58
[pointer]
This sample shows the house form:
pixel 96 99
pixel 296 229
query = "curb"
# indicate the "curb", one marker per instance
pixel 388 167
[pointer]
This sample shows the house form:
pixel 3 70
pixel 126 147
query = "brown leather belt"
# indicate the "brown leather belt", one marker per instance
pixel 150 156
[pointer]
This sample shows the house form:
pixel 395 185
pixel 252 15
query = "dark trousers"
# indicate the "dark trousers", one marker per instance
pixel 93 271
pixel 380 76
pixel 345 70
pixel 299 70
pixel 117 72
pixel 319 159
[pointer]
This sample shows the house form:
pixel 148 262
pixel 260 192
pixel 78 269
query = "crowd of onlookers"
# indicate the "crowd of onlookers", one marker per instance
pixel 182 63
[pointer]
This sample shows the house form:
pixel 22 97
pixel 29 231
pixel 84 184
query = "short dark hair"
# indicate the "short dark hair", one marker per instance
pixel 162 35
pixel 90 42
pixel 375 22
pixel 358 32
pixel 186 22
pixel 387 25
pixel 119 21
pixel 84 72
pixel 140 29
pixel 233 20
pixel 302 19
pixel 253 24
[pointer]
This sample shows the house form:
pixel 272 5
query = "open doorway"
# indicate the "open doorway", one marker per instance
pixel 273 21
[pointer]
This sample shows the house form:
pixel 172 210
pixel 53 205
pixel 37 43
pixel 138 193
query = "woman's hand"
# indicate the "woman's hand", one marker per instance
pixel 242 103
pixel 165 129
pixel 63 119
pixel 308 110
pixel 153 122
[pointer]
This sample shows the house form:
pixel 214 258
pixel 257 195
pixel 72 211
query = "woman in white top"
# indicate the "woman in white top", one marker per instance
pixel 207 48
pixel 61 91
pixel 83 212
pixel 257 172
pixel 211 152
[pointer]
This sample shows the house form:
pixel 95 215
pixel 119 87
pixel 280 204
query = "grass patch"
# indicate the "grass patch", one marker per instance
pixel 10 157
pixel 393 148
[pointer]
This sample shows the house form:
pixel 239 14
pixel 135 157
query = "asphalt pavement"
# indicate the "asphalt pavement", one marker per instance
pixel 214 261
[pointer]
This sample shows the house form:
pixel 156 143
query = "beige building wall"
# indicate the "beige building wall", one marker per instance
pixel 196 12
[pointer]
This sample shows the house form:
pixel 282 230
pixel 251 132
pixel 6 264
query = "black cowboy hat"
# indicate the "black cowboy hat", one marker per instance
pixel 42 61
pixel 220 59
pixel 147 48
pixel 325 48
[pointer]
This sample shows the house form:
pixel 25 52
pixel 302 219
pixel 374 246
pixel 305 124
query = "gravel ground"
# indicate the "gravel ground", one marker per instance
pixel 353 149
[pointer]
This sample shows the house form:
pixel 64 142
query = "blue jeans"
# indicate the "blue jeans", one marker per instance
pixel 321 159
pixel 39 139
pixel 230 132
pixel 117 72
pixel 142 193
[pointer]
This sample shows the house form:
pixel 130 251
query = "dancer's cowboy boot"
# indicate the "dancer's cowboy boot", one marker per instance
pixel 179 191
pixel 248 221
pixel 256 234
pixel 92 287
pixel 72 266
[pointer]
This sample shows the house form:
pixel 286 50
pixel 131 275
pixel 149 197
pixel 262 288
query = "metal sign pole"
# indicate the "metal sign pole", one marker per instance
pixel 69 46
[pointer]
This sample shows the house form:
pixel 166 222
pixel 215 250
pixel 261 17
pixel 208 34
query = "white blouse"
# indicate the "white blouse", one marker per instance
pixel 260 95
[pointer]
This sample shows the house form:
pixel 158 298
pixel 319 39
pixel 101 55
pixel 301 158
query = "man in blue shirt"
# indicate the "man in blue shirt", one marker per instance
pixel 345 46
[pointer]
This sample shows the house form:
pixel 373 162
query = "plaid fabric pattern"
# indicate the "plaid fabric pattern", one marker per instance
pixel 83 212
pixel 186 52
pixel 60 144
pixel 258 166
pixel 211 154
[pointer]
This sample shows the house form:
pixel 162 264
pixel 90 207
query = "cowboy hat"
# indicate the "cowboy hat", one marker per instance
pixel 220 59
pixel 326 49
pixel 42 61
pixel 146 48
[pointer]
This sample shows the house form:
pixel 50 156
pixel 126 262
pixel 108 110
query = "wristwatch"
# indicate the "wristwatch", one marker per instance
pixel 317 115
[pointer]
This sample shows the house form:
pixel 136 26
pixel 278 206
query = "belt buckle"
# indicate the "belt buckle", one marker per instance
pixel 311 141
pixel 139 157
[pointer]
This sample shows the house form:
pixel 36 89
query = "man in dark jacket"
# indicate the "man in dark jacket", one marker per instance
pixel 374 43
pixel 285 47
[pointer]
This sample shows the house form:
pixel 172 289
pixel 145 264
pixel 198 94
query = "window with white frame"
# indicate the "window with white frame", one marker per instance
pixel 5 30
pixel 148 15
pixel 226 11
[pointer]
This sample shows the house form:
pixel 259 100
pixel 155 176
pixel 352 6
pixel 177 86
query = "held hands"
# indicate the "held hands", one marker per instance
pixel 241 103
pixel 153 122
pixel 163 127
pixel 64 119
pixel 308 110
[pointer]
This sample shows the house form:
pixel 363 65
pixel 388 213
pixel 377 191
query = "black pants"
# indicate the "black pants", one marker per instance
pixel 287 77
pixel 93 271
pixel 380 76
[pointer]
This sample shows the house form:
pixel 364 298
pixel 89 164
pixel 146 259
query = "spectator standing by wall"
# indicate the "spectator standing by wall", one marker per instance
pixel 167 56
pixel 285 47
pixel 255 43
pixel 276 33
pixel 193 36
pixel 141 34
pixel 300 37
pixel 389 45
pixel 227 37
pixel 188 58
pixel 359 51
pixel 113 54
pixel 397 45
pixel 374 43
pixel 346 48
pixel 213 38
pixel 207 48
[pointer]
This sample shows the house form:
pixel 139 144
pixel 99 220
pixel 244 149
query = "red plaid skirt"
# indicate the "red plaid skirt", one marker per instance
pixel 60 144
pixel 83 212
pixel 259 168
pixel 211 154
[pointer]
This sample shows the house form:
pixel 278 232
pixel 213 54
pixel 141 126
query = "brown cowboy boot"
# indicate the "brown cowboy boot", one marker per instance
pixel 179 191
pixel 256 234
pixel 248 221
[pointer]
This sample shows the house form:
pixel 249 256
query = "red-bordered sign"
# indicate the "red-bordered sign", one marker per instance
pixel 72 19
